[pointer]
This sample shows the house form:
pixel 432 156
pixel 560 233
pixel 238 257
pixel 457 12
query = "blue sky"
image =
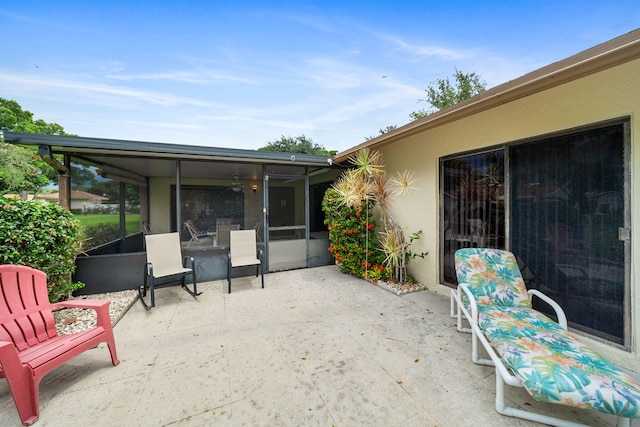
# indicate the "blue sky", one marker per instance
pixel 241 74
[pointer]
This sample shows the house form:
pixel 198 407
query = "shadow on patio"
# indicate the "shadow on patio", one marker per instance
pixel 315 347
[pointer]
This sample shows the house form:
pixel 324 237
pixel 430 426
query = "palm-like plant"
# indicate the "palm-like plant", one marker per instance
pixel 365 185
pixel 350 190
pixel 394 247
pixel 367 163
pixel 380 192
pixel 403 182
pixel 342 188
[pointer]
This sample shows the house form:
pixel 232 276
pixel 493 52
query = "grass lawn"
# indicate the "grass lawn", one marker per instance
pixel 132 220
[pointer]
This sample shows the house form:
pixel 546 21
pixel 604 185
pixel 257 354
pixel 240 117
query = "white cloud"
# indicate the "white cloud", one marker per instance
pixel 332 74
pixel 195 77
pixel 78 88
pixel 421 50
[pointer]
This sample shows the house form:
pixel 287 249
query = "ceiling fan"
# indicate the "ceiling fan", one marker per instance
pixel 236 185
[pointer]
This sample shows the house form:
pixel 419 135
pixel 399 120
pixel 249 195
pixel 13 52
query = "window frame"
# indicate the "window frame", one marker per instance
pixel 625 121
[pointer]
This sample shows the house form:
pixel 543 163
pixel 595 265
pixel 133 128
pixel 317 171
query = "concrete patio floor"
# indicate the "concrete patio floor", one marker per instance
pixel 315 347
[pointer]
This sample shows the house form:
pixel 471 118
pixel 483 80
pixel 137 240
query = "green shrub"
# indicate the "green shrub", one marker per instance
pixel 351 233
pixel 99 234
pixel 348 206
pixel 42 236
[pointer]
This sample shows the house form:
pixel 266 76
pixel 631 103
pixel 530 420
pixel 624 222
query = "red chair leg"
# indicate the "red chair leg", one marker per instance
pixel 23 386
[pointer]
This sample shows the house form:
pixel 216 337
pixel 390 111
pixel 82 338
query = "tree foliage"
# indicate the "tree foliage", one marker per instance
pixel 443 93
pixel 20 168
pixel 348 206
pixel 298 144
pixel 382 132
pixel 14 118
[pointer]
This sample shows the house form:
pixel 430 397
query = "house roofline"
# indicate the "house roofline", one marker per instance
pixel 601 57
pixel 76 145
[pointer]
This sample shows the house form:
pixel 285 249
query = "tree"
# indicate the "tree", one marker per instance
pixel 443 93
pixel 14 118
pixel 299 144
pixel 21 169
pixel 84 177
pixel 382 132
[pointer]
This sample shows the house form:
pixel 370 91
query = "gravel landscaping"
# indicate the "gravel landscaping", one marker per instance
pixel 70 320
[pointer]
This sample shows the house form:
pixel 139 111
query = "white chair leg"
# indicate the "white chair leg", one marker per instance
pixel 623 422
pixel 503 409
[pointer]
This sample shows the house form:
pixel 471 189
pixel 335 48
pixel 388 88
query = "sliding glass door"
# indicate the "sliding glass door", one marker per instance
pixel 566 217
pixel 569 222
pixel 472 205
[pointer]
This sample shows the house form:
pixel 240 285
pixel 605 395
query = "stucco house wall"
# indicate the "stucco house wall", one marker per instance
pixel 607 94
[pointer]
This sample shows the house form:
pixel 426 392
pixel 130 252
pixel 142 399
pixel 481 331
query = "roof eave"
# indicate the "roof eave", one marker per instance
pixel 85 145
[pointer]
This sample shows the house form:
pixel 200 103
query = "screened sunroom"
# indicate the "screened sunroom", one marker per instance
pixel 200 192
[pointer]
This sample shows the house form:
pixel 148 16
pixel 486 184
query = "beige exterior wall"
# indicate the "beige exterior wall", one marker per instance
pixel 609 94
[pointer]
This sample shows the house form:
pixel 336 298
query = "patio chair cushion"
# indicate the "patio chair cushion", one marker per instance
pixel 530 349
pixel 492 276
pixel 554 366
pixel 163 251
pixel 243 248
pixel 514 321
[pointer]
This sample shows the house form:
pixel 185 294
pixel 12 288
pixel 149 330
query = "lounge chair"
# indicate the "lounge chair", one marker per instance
pixel 196 235
pixel 529 349
pixel 506 290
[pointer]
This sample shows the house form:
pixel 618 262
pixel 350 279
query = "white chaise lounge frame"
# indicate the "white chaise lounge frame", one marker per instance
pixel 502 372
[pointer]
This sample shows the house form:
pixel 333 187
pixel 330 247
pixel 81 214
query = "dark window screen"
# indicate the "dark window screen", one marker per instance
pixel 567 203
pixel 472 206
pixel 203 205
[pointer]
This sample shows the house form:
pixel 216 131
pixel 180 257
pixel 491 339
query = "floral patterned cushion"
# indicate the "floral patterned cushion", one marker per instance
pixel 492 276
pixel 554 366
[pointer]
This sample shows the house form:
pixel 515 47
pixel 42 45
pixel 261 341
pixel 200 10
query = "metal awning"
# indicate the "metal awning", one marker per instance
pixel 153 159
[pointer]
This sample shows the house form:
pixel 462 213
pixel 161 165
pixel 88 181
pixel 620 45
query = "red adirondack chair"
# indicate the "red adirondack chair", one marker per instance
pixel 30 346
